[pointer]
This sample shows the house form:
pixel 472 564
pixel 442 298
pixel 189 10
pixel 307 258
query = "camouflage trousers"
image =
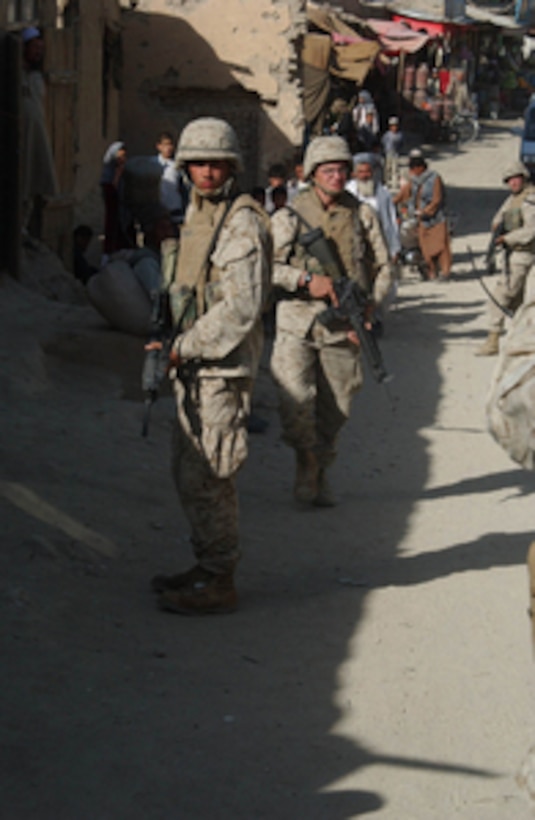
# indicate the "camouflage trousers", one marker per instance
pixel 508 289
pixel 316 382
pixel 209 447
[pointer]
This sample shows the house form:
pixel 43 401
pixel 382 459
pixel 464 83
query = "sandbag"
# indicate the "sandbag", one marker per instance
pixel 511 400
pixel 119 297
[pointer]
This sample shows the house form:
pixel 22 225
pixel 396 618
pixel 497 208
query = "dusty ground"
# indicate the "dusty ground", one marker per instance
pixel 380 662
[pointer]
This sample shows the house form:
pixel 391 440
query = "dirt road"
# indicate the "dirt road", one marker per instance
pixel 380 663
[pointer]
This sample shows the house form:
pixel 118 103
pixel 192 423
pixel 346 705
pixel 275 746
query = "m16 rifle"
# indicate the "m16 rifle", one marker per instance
pixel 354 306
pixel 157 348
pixel 489 293
pixel 353 309
pixel 492 249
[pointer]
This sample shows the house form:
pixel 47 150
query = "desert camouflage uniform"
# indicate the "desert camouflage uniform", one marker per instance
pixel 318 370
pixel 518 216
pixel 220 354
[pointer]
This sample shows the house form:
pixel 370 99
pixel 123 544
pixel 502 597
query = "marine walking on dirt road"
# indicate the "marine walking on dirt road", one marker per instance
pixel 221 283
pixel 317 368
pixel 513 228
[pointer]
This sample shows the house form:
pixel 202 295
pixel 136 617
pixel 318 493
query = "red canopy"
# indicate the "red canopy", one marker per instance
pixel 433 28
pixel 396 36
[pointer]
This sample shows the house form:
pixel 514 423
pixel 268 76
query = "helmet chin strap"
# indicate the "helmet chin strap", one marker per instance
pixel 326 191
pixel 219 193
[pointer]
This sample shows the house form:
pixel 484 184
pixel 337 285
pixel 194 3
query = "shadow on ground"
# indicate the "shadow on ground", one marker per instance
pixel 117 710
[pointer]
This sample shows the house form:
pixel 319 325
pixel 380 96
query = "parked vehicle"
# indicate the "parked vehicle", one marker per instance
pixel 457 127
pixel 527 145
pixel 464 126
pixel 411 255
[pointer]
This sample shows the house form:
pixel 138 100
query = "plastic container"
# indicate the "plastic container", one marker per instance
pixel 408 77
pixel 422 76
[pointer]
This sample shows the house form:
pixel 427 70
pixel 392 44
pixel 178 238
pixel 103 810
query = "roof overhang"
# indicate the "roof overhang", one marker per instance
pixel 432 26
pixel 503 21
pixel 397 36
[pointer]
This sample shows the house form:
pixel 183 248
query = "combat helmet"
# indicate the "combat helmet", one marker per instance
pixel 325 149
pixel 515 169
pixel 208 138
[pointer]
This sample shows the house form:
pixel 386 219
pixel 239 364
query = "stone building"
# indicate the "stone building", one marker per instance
pixel 82 70
pixel 190 58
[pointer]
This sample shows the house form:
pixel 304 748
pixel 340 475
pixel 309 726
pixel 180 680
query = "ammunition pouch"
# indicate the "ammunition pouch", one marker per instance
pixel 512 220
pixel 183 305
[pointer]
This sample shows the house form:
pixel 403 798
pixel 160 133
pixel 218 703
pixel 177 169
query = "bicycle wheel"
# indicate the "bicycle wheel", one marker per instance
pixel 466 128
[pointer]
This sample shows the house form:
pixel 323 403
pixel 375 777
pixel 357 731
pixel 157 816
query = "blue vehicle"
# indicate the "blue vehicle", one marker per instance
pixel 527 146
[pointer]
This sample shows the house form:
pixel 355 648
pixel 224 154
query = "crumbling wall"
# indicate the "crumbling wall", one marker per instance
pixel 97 101
pixel 187 58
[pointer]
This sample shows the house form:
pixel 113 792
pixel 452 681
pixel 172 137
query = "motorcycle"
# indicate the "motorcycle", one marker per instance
pixel 464 126
pixel 411 255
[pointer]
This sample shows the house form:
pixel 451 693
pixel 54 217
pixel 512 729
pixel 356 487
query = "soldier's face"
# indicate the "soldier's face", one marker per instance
pixel 209 175
pixel 331 177
pixel 516 184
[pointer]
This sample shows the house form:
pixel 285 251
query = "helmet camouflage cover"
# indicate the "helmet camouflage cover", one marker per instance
pixel 208 138
pixel 515 169
pixel 325 149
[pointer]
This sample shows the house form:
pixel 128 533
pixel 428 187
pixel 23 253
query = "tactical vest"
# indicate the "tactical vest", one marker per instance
pixel 512 216
pixel 342 228
pixel 196 279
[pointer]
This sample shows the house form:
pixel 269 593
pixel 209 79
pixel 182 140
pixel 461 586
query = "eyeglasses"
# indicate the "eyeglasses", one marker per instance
pixel 333 170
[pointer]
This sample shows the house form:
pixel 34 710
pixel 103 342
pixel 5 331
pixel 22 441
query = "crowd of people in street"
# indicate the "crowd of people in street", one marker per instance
pixel 224 257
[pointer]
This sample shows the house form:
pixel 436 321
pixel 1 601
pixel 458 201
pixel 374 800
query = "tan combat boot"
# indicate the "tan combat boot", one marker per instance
pixel 213 595
pixel 162 582
pixel 306 476
pixel 325 496
pixel 491 345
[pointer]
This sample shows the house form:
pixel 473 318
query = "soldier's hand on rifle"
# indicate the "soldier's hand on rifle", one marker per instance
pixel 319 287
pixel 500 240
pixel 352 335
pixel 174 358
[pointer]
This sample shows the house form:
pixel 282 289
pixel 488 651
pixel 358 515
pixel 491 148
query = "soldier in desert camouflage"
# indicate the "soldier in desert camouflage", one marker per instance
pixel 318 370
pixel 223 268
pixel 513 228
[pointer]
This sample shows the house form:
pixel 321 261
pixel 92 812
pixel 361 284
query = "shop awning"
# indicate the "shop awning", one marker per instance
pixel 503 21
pixel 321 59
pixel 351 56
pixel 395 37
pixel 336 50
pixel 433 28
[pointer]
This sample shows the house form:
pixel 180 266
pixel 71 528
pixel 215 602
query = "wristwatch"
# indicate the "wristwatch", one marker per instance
pixel 306 281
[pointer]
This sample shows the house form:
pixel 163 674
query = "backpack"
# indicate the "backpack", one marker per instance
pixel 511 400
